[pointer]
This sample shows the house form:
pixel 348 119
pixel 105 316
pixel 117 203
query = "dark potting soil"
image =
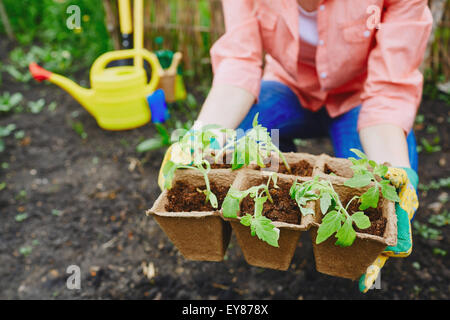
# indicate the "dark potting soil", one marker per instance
pixel 184 197
pixel 377 221
pixel 283 208
pixel 328 170
pixel 214 165
pixel 302 168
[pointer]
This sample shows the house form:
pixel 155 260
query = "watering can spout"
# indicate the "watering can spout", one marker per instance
pixel 82 95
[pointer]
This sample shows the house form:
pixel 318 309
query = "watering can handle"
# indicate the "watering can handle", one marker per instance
pixel 102 61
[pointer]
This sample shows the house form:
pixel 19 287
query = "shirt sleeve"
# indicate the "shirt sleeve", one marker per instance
pixel 393 89
pixel 237 56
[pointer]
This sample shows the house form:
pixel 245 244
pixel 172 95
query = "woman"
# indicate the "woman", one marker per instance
pixel 345 68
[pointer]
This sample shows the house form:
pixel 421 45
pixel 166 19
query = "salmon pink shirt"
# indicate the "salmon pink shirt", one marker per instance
pixel 368 53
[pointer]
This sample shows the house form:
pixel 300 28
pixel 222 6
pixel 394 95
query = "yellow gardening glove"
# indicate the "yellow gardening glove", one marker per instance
pixel 194 150
pixel 175 154
pixel 406 181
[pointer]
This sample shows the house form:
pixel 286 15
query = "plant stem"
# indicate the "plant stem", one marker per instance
pixel 288 168
pixel 338 200
pixel 205 172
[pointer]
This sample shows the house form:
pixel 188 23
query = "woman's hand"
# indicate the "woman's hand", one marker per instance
pixel 385 143
pixel 226 105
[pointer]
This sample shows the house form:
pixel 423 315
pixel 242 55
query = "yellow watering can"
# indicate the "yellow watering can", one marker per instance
pixel 117 98
pixel 118 95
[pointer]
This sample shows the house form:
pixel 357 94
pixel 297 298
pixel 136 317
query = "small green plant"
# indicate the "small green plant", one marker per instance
pixel 21 217
pixel 79 129
pixel 10 102
pixel 427 232
pixel 440 220
pixel 440 252
pixel 17 74
pixel 5 132
pixel 435 184
pixel 253 147
pixel 57 60
pixel 19 134
pixel 432 146
pixel 365 172
pixel 194 145
pixel 22 195
pixel 26 250
pixel 162 140
pixel 336 218
pixel 259 225
pixel 204 167
pixel 36 106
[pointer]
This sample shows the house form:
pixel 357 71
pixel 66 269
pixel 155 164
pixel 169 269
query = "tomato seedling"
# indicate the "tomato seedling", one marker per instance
pixel 192 148
pixel 253 147
pixel 336 218
pixel 259 225
pixel 363 176
pixel 204 167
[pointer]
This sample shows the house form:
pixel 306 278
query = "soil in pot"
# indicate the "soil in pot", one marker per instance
pixel 285 215
pixel 338 167
pixel 224 164
pixel 194 227
pixel 377 221
pixel 184 197
pixel 301 168
pixel 351 262
pixel 283 208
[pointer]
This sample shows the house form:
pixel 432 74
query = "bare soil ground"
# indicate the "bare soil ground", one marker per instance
pixel 85 200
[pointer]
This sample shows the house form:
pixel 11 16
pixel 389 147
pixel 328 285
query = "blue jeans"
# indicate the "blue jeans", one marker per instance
pixel 279 108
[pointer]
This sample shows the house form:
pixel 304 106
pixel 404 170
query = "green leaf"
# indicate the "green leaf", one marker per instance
pixel 370 198
pixel 21 217
pixel 259 205
pixel 359 153
pixel 255 120
pixel 373 164
pixel 380 170
pixel 164 133
pixel 265 230
pixel 361 220
pixel 359 181
pixel 325 202
pixel 389 192
pixel 247 220
pixel 209 127
pixel 305 211
pixel 230 205
pixel 330 224
pixel 149 145
pixel 212 199
pixel 168 172
pixel 346 235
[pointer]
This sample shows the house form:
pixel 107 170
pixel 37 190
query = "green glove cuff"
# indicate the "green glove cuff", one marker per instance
pixel 404 235
pixel 412 176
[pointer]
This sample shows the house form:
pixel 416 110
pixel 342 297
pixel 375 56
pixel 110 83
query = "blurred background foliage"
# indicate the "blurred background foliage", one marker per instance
pixel 189 26
pixel 40 30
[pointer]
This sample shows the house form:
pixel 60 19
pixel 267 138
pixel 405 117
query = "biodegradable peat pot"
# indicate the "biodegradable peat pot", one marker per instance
pixel 327 165
pixel 302 164
pixel 198 235
pixel 351 262
pixel 257 252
